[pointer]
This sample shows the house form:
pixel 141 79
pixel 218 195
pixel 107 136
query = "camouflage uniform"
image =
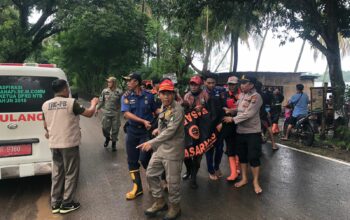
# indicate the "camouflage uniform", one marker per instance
pixel 110 104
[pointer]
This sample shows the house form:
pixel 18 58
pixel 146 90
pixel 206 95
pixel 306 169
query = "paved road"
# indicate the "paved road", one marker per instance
pixel 296 186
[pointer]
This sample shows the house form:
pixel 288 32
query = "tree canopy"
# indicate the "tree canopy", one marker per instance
pixel 91 39
pixel 101 41
pixel 19 37
pixel 320 22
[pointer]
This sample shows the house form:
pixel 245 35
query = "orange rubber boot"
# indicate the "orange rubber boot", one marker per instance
pixel 233 169
pixel 275 128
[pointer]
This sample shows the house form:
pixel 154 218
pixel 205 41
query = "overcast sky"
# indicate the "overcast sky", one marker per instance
pixel 274 58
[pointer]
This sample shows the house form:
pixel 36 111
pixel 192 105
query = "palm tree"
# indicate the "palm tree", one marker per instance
pixel 344 45
pixel 299 57
pixel 261 49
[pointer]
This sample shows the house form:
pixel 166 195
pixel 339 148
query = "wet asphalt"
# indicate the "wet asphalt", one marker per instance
pixel 295 186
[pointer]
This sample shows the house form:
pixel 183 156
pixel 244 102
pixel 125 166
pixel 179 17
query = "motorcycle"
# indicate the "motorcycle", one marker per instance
pixel 303 130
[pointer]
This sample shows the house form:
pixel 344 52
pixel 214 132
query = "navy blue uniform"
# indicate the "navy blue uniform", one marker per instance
pixel 143 106
pixel 214 155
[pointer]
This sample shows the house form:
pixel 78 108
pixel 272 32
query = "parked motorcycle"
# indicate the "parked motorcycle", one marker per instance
pixel 303 130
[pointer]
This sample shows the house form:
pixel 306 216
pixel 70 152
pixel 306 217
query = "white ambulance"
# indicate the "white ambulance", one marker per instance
pixel 24 150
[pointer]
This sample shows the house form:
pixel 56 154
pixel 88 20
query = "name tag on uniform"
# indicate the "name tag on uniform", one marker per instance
pixel 132 101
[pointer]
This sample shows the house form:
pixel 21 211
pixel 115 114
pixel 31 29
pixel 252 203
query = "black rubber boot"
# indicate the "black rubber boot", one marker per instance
pixel 188 169
pixel 106 142
pixel 114 146
pixel 193 182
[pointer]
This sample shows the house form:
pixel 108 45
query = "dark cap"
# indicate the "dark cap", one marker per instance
pixel 299 87
pixel 58 85
pixel 155 80
pixel 245 79
pixel 131 76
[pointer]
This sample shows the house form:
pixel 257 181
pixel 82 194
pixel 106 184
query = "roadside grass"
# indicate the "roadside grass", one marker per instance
pixel 338 148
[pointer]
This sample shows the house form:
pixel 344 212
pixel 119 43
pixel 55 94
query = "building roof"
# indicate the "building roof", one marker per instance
pixel 223 76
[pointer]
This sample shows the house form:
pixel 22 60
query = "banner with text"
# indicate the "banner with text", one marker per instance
pixel 200 132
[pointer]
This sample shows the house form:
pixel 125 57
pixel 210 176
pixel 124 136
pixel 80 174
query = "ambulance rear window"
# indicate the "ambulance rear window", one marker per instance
pixel 24 93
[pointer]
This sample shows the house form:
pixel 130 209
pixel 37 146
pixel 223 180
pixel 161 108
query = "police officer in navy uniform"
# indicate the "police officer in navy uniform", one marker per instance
pixel 139 109
pixel 248 139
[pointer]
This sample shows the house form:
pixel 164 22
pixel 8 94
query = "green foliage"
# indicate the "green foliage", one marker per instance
pixel 170 41
pixel 347 95
pixel 102 41
pixel 12 36
pixel 344 133
pixel 342 142
pixel 101 38
pixel 168 60
pixel 49 52
pixel 308 18
pixel 20 38
pixel 319 22
pixel 237 20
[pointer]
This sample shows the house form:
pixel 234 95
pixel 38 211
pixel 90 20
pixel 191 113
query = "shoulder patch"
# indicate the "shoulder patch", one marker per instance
pixel 126 93
pixel 253 98
pixel 126 101
pixel 147 92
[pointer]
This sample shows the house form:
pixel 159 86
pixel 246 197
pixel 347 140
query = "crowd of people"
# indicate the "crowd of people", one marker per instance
pixel 157 133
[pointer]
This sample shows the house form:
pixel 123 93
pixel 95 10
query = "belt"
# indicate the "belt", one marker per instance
pixel 137 126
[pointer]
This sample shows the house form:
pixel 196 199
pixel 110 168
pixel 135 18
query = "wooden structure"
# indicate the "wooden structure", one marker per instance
pixel 284 80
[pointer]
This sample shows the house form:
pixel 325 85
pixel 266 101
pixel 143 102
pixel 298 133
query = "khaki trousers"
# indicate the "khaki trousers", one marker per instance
pixel 172 168
pixel 65 174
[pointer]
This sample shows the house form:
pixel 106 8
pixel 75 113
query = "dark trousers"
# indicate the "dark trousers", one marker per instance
pixel 249 148
pixel 275 114
pixel 134 138
pixel 231 149
pixel 214 156
pixel 192 165
pixel 65 174
pixel 229 134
